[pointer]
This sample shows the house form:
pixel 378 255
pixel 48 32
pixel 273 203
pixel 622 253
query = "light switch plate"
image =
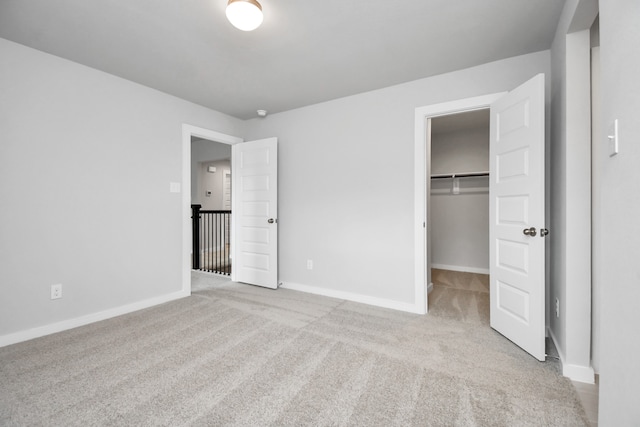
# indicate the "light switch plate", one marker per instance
pixel 174 187
pixel 613 139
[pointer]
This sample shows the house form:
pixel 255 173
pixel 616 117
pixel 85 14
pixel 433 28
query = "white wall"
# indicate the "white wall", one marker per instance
pixel 460 226
pixel 213 182
pixel 86 159
pixel 460 222
pixel 570 228
pixel 620 209
pixel 346 179
pixel 465 150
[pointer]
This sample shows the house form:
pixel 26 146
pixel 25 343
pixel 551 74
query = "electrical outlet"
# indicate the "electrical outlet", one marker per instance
pixel 56 291
pixel 309 264
pixel 557 307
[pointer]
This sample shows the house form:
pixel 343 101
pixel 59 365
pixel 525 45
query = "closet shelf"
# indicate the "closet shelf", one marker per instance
pixel 459 175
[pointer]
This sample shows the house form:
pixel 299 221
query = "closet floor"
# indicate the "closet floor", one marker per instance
pixel 460 296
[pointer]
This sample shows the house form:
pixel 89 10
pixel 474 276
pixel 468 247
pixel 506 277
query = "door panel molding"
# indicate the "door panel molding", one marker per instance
pixel 255 212
pixel 517 254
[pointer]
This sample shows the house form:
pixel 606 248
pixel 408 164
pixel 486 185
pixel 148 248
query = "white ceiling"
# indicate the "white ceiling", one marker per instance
pixel 305 52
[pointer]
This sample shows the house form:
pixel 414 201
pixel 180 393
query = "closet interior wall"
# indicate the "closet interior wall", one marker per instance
pixel 460 222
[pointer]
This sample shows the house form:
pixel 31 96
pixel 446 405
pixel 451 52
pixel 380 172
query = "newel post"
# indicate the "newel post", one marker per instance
pixel 195 236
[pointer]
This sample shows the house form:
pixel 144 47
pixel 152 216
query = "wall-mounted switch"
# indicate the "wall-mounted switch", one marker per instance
pixel 613 139
pixel 309 264
pixel 174 187
pixel 56 291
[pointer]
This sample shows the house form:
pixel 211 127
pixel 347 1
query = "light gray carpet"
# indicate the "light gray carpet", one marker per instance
pixel 234 354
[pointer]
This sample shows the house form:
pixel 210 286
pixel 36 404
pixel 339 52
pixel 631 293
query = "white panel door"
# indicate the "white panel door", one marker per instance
pixel 517 217
pixel 255 212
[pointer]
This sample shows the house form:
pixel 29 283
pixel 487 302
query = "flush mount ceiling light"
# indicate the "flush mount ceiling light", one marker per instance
pixel 245 15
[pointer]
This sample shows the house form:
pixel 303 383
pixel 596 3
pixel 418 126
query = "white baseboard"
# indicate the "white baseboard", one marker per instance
pixel 64 325
pixel 348 296
pixel 583 374
pixel 461 268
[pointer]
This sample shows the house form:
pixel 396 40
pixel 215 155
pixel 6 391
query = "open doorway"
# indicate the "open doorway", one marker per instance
pixel 459 214
pixel 211 206
pixel 253 238
pixel 202 138
pixel 516 209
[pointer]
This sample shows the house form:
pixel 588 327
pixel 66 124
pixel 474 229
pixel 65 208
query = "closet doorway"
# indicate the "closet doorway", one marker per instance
pixel 516 208
pixel 459 215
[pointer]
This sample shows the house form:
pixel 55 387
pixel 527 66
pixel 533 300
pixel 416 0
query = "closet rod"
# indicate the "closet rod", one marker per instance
pixel 459 175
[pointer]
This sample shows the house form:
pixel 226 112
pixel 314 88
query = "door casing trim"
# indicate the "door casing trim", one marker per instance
pixel 187 132
pixel 422 149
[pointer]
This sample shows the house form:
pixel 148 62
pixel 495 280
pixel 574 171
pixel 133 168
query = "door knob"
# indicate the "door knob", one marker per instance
pixel 271 220
pixel 530 231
